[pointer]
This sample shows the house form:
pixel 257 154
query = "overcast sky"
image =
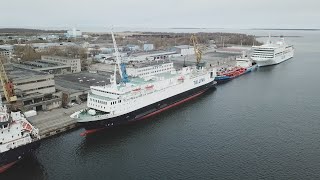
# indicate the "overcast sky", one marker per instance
pixel 161 13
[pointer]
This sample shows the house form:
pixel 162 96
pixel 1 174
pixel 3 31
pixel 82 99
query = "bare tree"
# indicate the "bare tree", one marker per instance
pixel 26 53
pixel 54 50
pixel 30 54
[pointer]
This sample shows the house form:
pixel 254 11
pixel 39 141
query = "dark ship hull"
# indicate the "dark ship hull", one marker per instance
pixel 146 111
pixel 9 158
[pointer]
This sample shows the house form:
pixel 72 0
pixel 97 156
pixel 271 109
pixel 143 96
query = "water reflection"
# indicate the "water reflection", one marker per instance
pixel 28 168
pixel 120 135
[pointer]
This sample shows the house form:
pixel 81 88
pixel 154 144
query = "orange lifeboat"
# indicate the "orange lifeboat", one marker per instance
pixel 149 86
pixel 27 126
pixel 136 90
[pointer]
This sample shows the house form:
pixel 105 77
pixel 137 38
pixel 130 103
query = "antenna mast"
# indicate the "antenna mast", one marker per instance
pixel 269 40
pixel 116 53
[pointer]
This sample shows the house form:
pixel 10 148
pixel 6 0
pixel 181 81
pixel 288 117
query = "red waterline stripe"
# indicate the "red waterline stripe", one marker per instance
pixel 172 105
pixel 7 166
pixel 151 114
pixel 90 131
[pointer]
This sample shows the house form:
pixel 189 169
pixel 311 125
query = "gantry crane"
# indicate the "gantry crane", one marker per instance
pixel 197 51
pixel 7 85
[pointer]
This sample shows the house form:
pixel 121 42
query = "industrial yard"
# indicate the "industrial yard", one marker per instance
pixel 51 79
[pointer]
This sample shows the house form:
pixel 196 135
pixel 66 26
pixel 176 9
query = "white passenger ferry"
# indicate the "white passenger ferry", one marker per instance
pixel 156 89
pixel 272 53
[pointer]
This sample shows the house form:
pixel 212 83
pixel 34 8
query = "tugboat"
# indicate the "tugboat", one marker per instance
pixel 17 137
pixel 243 65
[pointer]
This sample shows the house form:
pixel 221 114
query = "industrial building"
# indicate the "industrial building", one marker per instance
pixel 132 47
pixel 150 56
pixel 148 47
pixel 75 64
pixel 184 50
pixel 75 87
pixel 73 33
pixel 35 90
pixel 6 51
pixel 49 67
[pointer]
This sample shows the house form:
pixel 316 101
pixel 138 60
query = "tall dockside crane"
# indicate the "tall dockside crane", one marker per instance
pixel 197 51
pixel 7 85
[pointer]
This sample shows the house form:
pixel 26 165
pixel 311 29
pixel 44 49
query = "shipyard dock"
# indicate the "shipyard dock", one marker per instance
pixel 51 122
pixel 55 121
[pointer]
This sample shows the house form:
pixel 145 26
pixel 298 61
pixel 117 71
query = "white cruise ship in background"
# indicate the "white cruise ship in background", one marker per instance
pixel 272 53
pixel 154 89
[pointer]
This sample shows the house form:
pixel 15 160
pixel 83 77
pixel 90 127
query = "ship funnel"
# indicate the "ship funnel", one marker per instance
pixel 269 39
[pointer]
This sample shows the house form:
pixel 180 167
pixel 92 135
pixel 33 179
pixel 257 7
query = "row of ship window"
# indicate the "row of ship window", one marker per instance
pixel 155 67
pixel 270 49
pixel 155 71
pixel 104 107
pixel 256 53
pixel 284 52
pixel 106 92
pixel 97 105
pixel 263 56
pixel 105 102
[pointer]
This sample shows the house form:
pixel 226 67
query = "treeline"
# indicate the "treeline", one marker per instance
pixel 165 40
pixel 23 31
pixel 28 53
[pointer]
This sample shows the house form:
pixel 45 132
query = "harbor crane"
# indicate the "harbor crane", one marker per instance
pixel 197 51
pixel 121 65
pixel 7 85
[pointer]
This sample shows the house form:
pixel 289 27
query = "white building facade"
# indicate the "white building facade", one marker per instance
pixel 5 53
pixel 75 64
pixel 43 84
pixel 148 47
pixel 74 33
pixel 184 50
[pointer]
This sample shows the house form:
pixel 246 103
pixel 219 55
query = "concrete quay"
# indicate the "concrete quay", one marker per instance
pixel 55 121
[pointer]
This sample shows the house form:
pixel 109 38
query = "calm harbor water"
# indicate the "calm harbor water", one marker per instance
pixel 263 125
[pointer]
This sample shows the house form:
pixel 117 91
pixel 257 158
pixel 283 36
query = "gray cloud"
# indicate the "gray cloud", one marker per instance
pixel 162 13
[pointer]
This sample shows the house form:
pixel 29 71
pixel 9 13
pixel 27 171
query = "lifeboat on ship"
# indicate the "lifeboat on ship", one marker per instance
pixel 27 126
pixel 181 78
pixel 149 87
pixel 136 90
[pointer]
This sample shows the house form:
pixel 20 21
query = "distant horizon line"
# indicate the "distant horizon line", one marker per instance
pixel 47 28
pixel 138 27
